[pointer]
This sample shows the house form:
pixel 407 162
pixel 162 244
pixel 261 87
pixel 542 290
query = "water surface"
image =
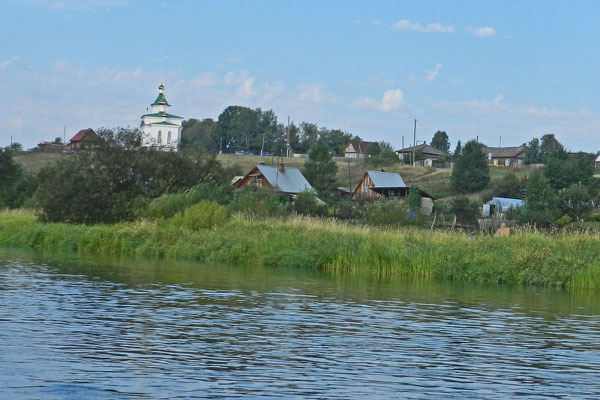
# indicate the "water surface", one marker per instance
pixel 79 327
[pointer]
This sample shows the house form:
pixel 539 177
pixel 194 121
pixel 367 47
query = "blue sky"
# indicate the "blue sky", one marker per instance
pixel 473 68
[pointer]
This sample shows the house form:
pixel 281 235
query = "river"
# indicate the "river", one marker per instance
pixel 87 328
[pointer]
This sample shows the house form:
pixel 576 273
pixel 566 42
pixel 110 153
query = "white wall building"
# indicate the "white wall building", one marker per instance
pixel 160 128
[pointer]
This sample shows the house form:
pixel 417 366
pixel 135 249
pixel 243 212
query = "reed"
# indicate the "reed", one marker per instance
pixel 527 257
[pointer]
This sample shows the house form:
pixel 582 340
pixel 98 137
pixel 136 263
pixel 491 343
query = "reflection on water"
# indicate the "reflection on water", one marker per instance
pixel 76 327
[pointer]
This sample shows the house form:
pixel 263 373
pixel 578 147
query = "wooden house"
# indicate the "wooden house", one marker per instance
pixel 376 184
pixel 50 147
pixel 83 140
pixel 285 180
pixel 359 149
pixel 505 156
pixel 425 154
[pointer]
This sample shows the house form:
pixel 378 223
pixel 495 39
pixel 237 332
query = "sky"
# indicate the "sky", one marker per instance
pixel 501 71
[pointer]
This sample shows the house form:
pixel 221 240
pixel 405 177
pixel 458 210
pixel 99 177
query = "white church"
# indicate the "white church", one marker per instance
pixel 160 128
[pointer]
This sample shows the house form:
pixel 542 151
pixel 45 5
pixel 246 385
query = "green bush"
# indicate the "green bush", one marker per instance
pixel 259 202
pixel 307 203
pixel 168 205
pixel 204 215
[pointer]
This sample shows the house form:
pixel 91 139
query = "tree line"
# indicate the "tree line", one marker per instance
pixel 254 130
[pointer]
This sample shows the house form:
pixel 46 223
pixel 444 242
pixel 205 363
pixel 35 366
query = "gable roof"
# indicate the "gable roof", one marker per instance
pixel 362 147
pixel 424 148
pixel 289 181
pixel 161 100
pixel 598 158
pixel 383 179
pixel 82 134
pixel 503 152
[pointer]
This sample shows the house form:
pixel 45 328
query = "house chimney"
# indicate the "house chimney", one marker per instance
pixel 425 142
pixel 281 168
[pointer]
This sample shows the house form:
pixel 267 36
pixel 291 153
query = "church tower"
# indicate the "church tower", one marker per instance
pixel 160 128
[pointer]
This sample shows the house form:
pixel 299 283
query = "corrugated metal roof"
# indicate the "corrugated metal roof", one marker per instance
pixel 382 179
pixel 290 181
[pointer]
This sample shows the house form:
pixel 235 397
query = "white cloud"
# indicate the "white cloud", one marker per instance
pixel 431 75
pixel 392 99
pixel 314 93
pixel 483 31
pixel 7 63
pixel 376 23
pixel 417 27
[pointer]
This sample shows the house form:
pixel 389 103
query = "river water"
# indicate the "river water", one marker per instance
pixel 82 328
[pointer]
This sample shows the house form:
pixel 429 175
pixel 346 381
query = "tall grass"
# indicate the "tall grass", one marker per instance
pixel 528 257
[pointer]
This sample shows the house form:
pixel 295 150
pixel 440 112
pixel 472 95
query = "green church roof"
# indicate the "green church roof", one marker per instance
pixel 161 100
pixel 161 114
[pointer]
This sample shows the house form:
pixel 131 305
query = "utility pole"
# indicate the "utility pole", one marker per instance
pixel 349 178
pixel 64 134
pixel 500 142
pixel 287 150
pixel 414 144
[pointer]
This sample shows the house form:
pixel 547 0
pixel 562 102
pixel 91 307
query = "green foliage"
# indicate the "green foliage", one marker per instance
pixel 388 211
pixel 441 141
pixel 113 182
pixel 203 215
pixel 532 152
pixel 565 219
pixel 541 203
pixel 576 201
pixel 58 140
pixel 510 186
pixel 307 203
pixel 471 171
pixel 15 146
pixel 466 210
pixel 242 128
pixel 259 202
pixel 382 154
pixel 16 186
pixel 457 150
pixel 413 199
pixel 167 205
pixel 200 135
pixel 563 170
pixel 320 170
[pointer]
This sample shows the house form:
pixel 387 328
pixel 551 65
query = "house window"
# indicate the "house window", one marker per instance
pixel 169 137
pixel 159 137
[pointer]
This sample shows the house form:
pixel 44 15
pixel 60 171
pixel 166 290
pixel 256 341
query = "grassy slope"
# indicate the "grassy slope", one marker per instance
pixel 528 257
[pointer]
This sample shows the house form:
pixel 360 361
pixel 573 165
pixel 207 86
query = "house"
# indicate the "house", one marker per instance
pixel 359 149
pixel 50 147
pixel 376 184
pixel 285 180
pixel 500 205
pixel 85 139
pixel 505 156
pixel 427 154
pixel 597 163
pixel 159 128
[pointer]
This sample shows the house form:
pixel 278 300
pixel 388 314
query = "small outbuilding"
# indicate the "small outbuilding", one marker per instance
pixel 359 149
pixel 285 180
pixel 50 147
pixel 500 205
pixel 376 184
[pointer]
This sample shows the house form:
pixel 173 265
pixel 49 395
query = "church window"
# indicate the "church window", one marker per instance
pixel 159 137
pixel 169 137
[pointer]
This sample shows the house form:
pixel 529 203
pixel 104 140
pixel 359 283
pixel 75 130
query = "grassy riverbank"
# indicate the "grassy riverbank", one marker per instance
pixel 571 260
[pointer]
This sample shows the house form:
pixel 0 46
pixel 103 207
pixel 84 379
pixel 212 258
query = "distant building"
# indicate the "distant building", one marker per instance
pixel 159 128
pixel 285 180
pixel 597 163
pixel 50 147
pixel 359 149
pixel 429 154
pixel 505 156
pixel 376 184
pixel 85 139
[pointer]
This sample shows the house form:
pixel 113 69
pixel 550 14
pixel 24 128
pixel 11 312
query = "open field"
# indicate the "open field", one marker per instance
pixel 33 161
pixel 528 257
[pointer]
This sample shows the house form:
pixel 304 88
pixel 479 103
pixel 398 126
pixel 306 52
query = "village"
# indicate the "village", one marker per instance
pixel 366 172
